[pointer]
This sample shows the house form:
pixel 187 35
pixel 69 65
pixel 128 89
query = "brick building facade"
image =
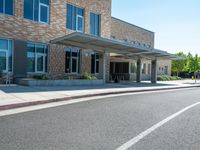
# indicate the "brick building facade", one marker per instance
pixel 27 28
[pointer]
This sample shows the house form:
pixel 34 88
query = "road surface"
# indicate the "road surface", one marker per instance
pixel 108 124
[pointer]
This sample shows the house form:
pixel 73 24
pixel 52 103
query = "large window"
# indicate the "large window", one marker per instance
pixel 166 70
pixel 36 58
pixel 133 67
pixel 144 68
pixel 5 55
pixel 95 63
pixel 75 18
pixel 94 24
pixel 37 10
pixel 6 7
pixel 149 69
pixel 72 62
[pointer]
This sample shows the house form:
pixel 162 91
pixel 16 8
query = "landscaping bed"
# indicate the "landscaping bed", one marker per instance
pixel 168 78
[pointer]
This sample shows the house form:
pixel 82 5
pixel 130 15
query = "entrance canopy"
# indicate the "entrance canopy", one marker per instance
pixel 126 49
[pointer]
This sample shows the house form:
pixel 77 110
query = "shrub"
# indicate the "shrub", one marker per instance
pixel 168 78
pixel 87 76
pixel 40 77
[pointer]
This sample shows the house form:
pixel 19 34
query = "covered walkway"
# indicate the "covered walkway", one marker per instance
pixel 116 47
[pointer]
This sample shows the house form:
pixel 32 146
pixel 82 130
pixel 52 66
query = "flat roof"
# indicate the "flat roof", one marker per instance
pixel 88 41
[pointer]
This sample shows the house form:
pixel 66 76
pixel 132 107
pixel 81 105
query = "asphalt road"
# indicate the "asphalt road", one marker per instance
pixel 106 124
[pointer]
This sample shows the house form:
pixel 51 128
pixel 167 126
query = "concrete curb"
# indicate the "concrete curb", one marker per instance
pixel 27 104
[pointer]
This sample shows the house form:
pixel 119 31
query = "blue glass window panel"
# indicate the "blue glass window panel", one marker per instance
pixel 92 23
pixel 4 44
pixel 36 10
pixel 1 6
pixel 69 16
pixel 44 2
pixel 97 25
pixel 9 7
pixel 43 14
pixel 80 11
pixel 10 56
pixel 73 22
pixel 74 18
pixel 2 60
pixel 80 24
pixel 28 9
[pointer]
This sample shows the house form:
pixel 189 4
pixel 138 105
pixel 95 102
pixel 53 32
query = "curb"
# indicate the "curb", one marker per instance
pixel 27 104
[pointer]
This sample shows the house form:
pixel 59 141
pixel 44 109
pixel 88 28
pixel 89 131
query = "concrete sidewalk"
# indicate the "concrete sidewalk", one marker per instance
pixel 15 96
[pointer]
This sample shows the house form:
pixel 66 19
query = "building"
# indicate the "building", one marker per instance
pixel 66 38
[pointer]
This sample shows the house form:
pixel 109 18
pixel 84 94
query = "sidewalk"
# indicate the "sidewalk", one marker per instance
pixel 15 96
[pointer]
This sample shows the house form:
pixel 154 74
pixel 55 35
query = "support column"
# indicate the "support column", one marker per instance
pixel 104 67
pixel 154 71
pixel 139 70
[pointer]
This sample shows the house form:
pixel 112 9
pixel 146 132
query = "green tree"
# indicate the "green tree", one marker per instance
pixel 193 64
pixel 180 64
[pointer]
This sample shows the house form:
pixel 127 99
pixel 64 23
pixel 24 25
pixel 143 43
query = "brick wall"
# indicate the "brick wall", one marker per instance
pixel 17 27
pixel 126 31
pixel 161 67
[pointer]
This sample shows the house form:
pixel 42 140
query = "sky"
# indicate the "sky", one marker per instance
pixel 176 23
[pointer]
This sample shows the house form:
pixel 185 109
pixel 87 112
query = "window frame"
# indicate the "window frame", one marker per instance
pixel 96 15
pixel 10 49
pixel 44 55
pixel 4 9
pixel 95 61
pixel 39 13
pixel 77 58
pixel 7 60
pixel 36 54
pixel 75 18
pixel 77 23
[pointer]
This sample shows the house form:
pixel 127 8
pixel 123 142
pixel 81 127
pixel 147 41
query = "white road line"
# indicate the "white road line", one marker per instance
pixel 139 137
pixel 56 104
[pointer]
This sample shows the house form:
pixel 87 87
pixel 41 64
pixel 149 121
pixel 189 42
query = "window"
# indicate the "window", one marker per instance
pixel 133 67
pixel 37 10
pixel 149 68
pixel 6 7
pixel 143 68
pixel 95 63
pixel 94 24
pixel 72 60
pixel 75 18
pixel 5 55
pixel 166 70
pixel 36 58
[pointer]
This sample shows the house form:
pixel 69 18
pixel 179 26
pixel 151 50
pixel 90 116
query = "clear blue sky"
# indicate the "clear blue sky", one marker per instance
pixel 176 23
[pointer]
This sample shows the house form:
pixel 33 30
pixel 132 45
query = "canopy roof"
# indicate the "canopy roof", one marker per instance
pixel 127 49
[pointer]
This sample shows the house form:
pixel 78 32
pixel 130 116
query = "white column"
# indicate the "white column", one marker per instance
pixel 154 71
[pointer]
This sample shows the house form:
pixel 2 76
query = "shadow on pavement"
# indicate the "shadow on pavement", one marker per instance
pixel 24 89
